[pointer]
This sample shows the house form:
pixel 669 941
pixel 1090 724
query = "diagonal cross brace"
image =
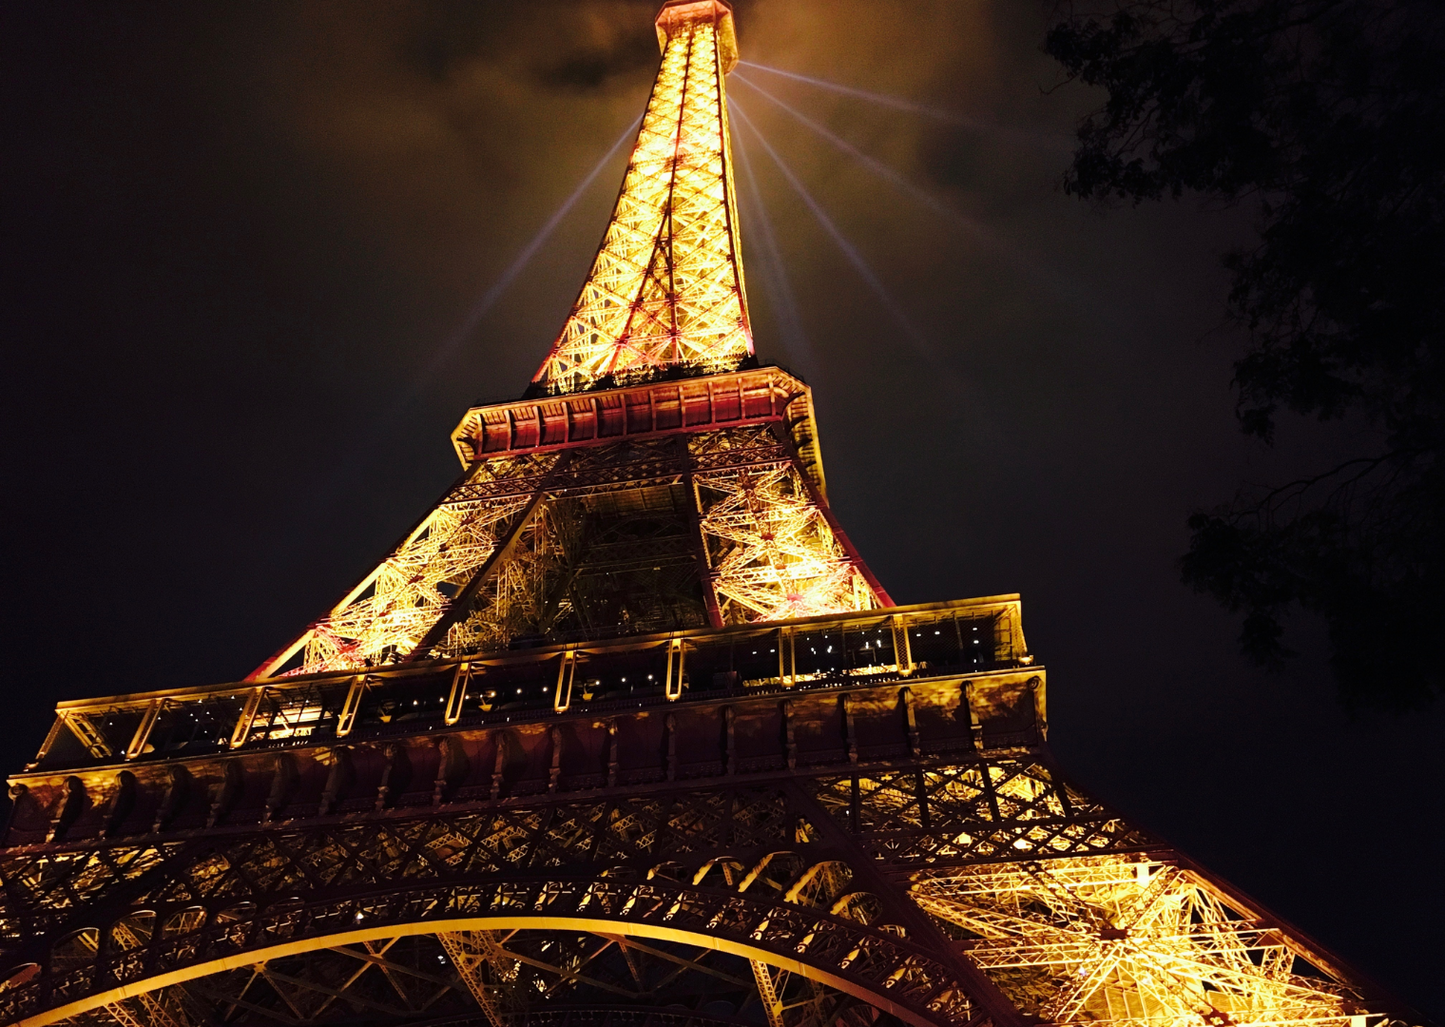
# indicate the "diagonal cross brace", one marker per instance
pixel 457 608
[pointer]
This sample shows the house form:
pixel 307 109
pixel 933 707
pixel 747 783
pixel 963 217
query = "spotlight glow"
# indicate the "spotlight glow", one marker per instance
pixel 521 260
pixel 1044 140
pixel 1053 280
pixel 882 99
pixel 849 251
pixel 384 421
pixel 790 321
pixel 873 164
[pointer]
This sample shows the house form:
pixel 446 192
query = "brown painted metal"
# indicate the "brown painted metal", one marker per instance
pixel 625 733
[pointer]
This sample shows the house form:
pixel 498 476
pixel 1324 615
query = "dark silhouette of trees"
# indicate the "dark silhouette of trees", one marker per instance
pixel 1329 117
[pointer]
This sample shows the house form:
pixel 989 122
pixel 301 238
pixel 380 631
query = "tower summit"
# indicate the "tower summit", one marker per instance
pixel 665 292
pixel 624 733
pixel 655 478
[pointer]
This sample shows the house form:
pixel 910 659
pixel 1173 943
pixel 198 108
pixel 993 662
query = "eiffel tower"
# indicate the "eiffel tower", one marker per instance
pixel 624 733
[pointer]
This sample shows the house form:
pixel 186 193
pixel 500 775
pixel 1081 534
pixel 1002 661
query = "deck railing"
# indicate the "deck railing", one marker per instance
pixel 522 684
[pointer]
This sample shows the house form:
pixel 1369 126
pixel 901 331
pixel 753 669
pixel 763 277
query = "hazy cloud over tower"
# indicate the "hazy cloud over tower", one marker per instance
pixel 233 231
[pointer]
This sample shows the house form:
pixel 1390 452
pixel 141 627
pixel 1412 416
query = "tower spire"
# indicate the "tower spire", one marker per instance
pixel 665 292
pixel 624 727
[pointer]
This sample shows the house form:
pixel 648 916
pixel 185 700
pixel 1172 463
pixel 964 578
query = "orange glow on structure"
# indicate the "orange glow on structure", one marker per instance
pixel 666 291
pixel 625 723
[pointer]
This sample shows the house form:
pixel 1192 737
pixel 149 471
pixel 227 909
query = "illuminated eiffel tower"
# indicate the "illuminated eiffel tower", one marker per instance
pixel 624 732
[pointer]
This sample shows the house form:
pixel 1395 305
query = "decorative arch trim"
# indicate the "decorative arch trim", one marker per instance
pixel 512 921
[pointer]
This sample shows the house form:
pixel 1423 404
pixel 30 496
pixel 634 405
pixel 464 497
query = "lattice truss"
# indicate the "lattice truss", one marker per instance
pixel 1124 940
pixel 666 287
pixel 391 610
pixel 503 978
pixel 600 540
pixel 751 880
pixel 772 554
pixel 1001 809
pixel 527 593
pixel 615 562
pixel 728 868
pixel 409 590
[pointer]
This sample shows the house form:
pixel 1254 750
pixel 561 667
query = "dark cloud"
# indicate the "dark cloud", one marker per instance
pixel 590 68
pixel 585 47
pixel 441 38
pixel 234 234
pixel 958 158
pixel 592 64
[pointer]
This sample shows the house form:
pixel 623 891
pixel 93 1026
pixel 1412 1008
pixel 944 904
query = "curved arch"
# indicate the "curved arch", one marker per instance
pixel 79 944
pixel 875 966
pixel 817 877
pixel 845 905
pixel 358 935
pixel 183 921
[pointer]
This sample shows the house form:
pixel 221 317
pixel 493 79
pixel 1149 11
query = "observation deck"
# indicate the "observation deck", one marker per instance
pixel 867 687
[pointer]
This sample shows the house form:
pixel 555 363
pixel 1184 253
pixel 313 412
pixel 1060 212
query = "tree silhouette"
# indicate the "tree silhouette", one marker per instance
pixel 1329 117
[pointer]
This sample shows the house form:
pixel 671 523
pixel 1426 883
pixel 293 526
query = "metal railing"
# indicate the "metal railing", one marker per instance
pixel 523 684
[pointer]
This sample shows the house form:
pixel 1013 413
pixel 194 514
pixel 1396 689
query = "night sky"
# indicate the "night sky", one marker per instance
pixel 246 248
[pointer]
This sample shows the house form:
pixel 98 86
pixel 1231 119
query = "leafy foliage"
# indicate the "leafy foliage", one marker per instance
pixel 1329 116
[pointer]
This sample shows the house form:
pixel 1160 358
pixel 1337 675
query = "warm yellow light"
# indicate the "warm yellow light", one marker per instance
pixel 666 288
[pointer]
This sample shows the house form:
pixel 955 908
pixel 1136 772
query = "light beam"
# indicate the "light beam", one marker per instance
pixel 1043 140
pixel 790 321
pixel 1055 281
pixel 873 164
pixel 882 99
pixel 523 258
pixel 864 269
pixel 357 455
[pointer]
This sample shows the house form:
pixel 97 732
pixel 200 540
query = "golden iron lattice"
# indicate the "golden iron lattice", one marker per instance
pixel 657 507
pixel 666 288
pixel 625 733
